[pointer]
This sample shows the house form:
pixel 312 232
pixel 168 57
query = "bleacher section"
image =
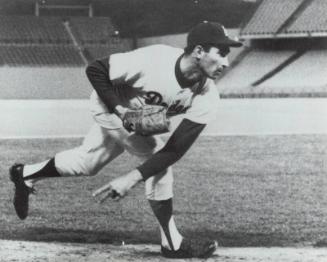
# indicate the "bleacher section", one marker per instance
pixel 270 16
pixel 92 30
pixel 50 41
pixel 256 64
pixel 35 55
pixel 45 57
pixel 304 77
pixel 312 20
pixel 98 37
pixel 31 29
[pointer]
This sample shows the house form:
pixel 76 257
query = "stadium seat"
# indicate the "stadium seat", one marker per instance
pixel 313 19
pixel 92 30
pixel 270 16
pixel 31 29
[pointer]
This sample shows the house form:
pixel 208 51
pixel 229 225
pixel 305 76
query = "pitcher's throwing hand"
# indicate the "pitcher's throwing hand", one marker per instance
pixel 119 187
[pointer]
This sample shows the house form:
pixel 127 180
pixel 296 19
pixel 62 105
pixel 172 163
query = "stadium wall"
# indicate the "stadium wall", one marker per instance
pixel 44 83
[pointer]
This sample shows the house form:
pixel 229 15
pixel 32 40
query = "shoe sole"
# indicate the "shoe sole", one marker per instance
pixel 176 255
pixel 212 248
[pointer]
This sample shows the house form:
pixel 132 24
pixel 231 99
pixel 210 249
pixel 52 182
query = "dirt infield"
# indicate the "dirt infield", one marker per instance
pixel 40 251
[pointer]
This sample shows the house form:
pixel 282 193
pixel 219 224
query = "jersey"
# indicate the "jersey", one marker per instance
pixel 150 72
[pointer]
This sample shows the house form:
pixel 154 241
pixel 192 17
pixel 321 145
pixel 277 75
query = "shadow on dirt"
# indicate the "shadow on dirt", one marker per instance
pixel 83 236
pixel 234 239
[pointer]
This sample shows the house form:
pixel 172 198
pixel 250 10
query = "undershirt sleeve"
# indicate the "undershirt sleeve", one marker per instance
pixel 177 145
pixel 98 74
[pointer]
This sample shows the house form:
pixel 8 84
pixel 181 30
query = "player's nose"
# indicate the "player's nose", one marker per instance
pixel 225 62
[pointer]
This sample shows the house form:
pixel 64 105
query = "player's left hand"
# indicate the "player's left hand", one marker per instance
pixel 119 187
pixel 147 121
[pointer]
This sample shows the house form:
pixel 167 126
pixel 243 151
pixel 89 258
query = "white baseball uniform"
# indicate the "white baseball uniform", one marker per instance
pixel 143 76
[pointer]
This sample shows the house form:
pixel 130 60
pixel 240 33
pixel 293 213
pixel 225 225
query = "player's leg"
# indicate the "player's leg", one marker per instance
pixel 159 192
pixel 96 151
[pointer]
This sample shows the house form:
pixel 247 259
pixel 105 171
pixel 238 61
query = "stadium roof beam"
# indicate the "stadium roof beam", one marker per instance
pixel 283 35
pixel 39 6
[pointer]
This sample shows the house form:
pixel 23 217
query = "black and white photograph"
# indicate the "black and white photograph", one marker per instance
pixel 163 130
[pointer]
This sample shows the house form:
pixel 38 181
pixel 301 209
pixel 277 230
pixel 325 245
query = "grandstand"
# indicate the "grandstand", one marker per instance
pixel 312 21
pixel 54 41
pixel 97 37
pixel 263 69
pixel 32 29
pixel 287 43
pixel 270 17
pixel 93 30
pixel 45 57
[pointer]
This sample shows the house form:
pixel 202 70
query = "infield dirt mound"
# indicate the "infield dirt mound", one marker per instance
pixel 39 251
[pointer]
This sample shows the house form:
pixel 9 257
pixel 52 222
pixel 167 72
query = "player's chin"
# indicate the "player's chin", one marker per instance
pixel 214 75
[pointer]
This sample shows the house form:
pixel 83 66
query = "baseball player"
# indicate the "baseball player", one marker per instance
pixel 180 80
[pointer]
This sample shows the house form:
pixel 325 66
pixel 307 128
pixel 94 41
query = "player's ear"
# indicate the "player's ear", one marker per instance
pixel 198 51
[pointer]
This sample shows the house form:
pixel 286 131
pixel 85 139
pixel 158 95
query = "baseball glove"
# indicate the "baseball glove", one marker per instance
pixel 148 120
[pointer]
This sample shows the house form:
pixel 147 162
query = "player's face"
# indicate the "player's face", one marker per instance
pixel 213 62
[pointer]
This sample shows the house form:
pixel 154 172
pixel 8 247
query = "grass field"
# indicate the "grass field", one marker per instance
pixel 242 190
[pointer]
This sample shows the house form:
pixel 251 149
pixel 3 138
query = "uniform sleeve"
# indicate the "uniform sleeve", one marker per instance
pixel 127 68
pixel 109 74
pixel 98 75
pixel 177 145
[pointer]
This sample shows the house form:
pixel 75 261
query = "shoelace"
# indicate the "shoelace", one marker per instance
pixel 32 190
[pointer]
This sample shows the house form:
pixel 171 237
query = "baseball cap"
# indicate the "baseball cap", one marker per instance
pixel 210 33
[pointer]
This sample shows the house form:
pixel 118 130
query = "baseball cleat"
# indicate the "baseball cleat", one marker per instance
pixel 22 191
pixel 192 248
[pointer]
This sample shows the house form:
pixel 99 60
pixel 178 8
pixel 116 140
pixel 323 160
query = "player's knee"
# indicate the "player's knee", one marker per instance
pixel 74 163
